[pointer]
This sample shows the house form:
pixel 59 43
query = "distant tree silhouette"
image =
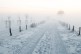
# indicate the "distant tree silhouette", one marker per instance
pixel 60 12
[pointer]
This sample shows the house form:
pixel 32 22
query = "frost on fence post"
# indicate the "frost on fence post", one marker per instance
pixel 26 22
pixel 73 28
pixel 9 22
pixel 19 24
pixel 79 30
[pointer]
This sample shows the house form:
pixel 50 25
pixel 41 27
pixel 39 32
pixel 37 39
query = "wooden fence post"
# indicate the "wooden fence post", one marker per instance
pixel 73 28
pixel 79 30
pixel 10 30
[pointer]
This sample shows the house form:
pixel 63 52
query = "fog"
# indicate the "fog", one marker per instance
pixel 73 19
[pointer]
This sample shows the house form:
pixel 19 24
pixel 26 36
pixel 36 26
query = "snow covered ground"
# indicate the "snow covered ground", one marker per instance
pixel 47 38
pixel 51 43
pixel 13 44
pixel 71 40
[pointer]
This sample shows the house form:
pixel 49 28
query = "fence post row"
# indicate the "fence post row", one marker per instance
pixel 73 28
pixel 18 21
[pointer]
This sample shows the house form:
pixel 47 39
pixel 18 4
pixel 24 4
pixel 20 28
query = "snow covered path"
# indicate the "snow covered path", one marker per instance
pixel 51 42
pixel 44 40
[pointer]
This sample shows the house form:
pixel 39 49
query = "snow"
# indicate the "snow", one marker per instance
pixel 49 37
pixel 71 40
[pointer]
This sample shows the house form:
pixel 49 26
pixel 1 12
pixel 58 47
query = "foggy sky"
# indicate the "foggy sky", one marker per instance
pixel 39 6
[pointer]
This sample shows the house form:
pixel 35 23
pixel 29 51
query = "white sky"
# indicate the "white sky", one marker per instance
pixel 46 6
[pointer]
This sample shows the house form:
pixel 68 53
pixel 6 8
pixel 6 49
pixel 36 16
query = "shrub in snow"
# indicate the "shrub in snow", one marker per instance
pixel 33 25
pixel 42 22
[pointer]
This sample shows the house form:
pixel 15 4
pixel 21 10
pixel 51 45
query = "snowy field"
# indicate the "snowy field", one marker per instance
pixel 71 40
pixel 49 37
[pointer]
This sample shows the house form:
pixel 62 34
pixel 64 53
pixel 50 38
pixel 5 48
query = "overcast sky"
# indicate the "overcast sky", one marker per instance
pixel 47 6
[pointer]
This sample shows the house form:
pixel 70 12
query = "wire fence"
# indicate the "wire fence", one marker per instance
pixel 72 28
pixel 15 26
